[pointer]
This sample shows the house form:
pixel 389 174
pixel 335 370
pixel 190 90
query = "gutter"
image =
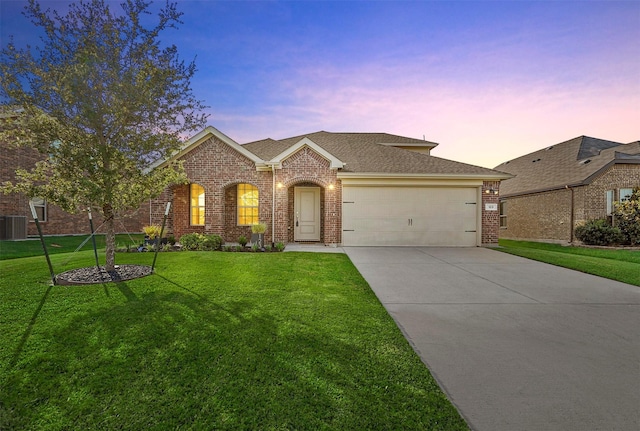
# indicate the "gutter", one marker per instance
pixel 548 189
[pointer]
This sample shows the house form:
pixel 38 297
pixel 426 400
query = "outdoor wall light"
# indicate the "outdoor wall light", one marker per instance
pixel 331 186
pixel 491 192
pixel 280 185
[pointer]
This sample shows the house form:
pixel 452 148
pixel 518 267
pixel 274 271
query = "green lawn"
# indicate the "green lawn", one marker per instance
pixel 61 244
pixel 268 341
pixel 622 265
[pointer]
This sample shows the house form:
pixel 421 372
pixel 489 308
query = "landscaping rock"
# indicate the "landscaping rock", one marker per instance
pixel 93 275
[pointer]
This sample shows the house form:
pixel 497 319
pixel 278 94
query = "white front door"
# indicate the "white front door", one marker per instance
pixel 306 220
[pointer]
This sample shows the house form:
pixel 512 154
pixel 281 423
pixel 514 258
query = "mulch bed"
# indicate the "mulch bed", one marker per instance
pixel 94 275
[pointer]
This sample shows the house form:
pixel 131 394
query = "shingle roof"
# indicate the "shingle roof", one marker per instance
pixel 571 163
pixel 365 153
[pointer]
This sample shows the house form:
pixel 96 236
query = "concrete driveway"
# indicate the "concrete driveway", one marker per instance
pixel 516 344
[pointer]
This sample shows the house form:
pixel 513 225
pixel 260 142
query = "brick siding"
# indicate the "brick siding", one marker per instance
pixel 547 216
pixel 490 219
pixel 58 222
pixel 218 168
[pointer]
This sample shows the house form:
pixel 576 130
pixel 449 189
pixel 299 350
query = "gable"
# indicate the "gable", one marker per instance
pixel 334 162
pixel 203 137
pixel 371 153
pixel 568 164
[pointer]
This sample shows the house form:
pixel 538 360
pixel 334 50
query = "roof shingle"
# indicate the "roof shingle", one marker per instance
pixel 364 153
pixel 569 163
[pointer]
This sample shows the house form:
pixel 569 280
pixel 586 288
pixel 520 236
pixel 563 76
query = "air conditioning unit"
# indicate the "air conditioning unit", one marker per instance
pixel 13 227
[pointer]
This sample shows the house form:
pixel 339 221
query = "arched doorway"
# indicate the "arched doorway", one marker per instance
pixel 307 214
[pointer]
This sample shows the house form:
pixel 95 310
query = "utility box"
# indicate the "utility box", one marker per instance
pixel 13 227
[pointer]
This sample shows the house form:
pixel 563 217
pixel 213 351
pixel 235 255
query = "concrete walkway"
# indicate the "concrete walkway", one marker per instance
pixel 313 248
pixel 516 344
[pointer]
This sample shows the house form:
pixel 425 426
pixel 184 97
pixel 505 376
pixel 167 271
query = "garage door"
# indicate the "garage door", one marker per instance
pixel 409 216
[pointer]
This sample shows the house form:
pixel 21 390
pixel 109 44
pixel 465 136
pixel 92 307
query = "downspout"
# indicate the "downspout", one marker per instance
pixel 273 206
pixel 571 217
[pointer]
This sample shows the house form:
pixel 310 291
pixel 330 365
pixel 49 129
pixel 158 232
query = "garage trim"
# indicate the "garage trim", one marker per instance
pixel 408 182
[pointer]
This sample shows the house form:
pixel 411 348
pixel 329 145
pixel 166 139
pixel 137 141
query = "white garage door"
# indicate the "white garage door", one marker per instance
pixel 409 216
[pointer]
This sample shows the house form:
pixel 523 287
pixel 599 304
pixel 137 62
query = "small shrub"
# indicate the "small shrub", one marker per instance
pixel 152 231
pixel 267 247
pixel 191 241
pixel 171 240
pixel 258 228
pixel 198 241
pixel 630 232
pixel 598 232
pixel 228 248
pixel 280 246
pixel 242 240
pixel 211 242
pixel 627 218
pixel 255 247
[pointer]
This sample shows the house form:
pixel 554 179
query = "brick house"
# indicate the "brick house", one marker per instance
pixel 15 213
pixel 332 189
pixel 561 186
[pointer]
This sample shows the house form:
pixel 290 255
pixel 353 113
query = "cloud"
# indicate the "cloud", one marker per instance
pixel 479 124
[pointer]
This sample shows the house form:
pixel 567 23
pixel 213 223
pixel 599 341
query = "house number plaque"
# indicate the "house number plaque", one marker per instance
pixel 491 207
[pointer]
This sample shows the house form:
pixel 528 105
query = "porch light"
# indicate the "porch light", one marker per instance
pixel 491 191
pixel 280 185
pixel 331 186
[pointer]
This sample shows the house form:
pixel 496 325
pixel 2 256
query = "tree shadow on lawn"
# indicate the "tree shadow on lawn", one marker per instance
pixel 29 330
pixel 168 359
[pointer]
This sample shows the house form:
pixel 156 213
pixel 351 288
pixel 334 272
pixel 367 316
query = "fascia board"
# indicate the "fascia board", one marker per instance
pixel 545 190
pixel 584 182
pixel 201 137
pixel 410 182
pixel 603 169
pixel 424 144
pixel 347 176
pixel 335 163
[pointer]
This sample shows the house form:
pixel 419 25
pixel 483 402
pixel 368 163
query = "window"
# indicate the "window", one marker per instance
pixel 609 200
pixel 247 205
pixel 197 205
pixel 625 194
pixel 40 205
pixel 503 214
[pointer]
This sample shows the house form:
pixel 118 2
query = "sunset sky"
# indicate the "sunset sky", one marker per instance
pixel 488 80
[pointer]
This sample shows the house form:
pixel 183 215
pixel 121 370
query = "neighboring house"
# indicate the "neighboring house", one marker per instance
pixel 561 186
pixel 332 188
pixel 16 221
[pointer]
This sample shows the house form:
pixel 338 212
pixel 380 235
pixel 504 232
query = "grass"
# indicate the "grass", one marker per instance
pixel 229 341
pixel 60 244
pixel 616 264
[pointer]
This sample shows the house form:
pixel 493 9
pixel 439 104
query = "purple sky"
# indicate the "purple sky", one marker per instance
pixel 488 80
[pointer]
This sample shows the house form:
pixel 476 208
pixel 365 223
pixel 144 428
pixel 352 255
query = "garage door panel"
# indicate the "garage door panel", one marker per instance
pixel 381 224
pixel 409 216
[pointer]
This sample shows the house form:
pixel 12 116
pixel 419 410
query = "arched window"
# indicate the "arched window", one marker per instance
pixel 196 192
pixel 248 213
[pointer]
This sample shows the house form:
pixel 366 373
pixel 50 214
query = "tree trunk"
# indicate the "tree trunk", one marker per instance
pixel 110 238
